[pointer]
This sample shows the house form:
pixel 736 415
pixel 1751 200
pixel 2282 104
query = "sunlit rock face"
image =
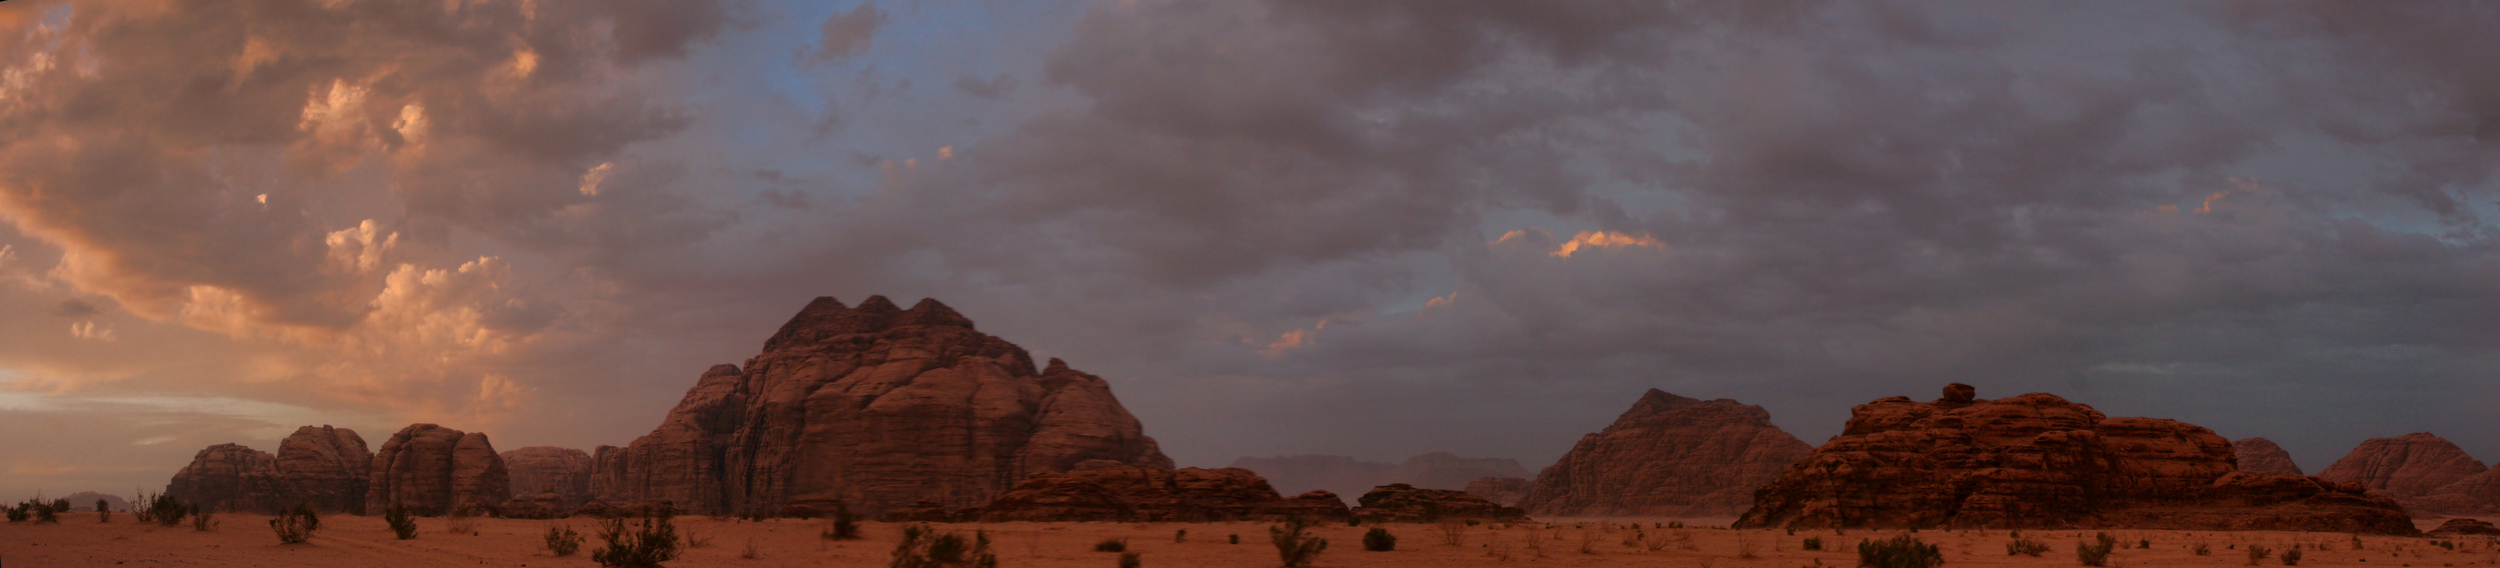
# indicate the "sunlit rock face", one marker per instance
pixel 2039 461
pixel 320 466
pixel 876 408
pixel 1668 456
pixel 227 477
pixel 432 470
pixel 539 470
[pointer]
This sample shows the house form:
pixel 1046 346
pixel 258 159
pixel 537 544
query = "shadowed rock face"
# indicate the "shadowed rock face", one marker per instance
pixel 433 470
pixel 538 470
pixel 2039 461
pixel 317 465
pixel 1504 491
pixel 2262 456
pixel 877 408
pixel 1668 456
pixel 1350 477
pixel 1402 503
pixel 1109 491
pixel 2409 467
pixel 2477 495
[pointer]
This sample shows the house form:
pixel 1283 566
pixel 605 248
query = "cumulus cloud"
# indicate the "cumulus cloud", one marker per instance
pixel 847 35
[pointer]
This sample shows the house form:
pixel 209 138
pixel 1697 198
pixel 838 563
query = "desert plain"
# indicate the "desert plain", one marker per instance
pixel 344 540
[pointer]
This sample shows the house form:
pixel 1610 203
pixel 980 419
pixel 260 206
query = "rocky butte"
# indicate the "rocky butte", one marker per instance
pixel 1348 477
pixel 2409 467
pixel 1668 456
pixel 317 465
pixel 2039 461
pixel 874 408
pixel 432 470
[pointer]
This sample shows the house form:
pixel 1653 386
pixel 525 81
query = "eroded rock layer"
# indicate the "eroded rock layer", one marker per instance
pixel 228 477
pixel 2039 461
pixel 2477 495
pixel 1402 503
pixel 537 470
pixel 876 408
pixel 317 465
pixel 1110 491
pixel 432 470
pixel 1668 456
pixel 2263 456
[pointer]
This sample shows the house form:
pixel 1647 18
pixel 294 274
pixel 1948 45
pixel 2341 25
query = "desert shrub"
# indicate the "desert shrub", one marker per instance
pixel 2201 549
pixel 1902 551
pixel 1294 543
pixel 1112 545
pixel 694 540
pixel 561 540
pixel 2257 553
pixel 2025 546
pixel 2356 541
pixel 461 522
pixel 103 511
pixel 44 512
pixel 18 513
pixel 1379 540
pixel 1131 560
pixel 644 544
pixel 2144 543
pixel 162 509
pixel 1353 521
pixel 1236 539
pixel 401 523
pixel 844 526
pixel 2092 554
pixel 2105 539
pixel 2290 557
pixel 1180 536
pixel 296 525
pixel 922 547
pixel 1453 533
pixel 749 552
pixel 1811 543
pixel 203 521
pixel 60 505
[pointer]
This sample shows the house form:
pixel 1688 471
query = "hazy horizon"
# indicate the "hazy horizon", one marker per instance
pixel 1277 227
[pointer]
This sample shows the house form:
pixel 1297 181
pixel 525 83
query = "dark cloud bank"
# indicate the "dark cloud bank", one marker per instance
pixel 1374 228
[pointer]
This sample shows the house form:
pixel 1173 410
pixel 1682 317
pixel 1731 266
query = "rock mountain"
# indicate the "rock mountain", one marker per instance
pixel 1668 456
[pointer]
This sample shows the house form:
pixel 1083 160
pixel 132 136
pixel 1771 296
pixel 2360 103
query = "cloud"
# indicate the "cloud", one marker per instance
pixel 992 88
pixel 847 35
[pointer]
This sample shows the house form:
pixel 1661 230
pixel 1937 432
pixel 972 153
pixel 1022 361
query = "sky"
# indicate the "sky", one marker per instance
pixel 1276 227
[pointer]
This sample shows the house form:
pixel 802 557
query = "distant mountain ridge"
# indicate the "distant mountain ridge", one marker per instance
pixel 1349 477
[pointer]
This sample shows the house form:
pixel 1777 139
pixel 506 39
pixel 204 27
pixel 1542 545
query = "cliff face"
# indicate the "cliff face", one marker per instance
pixel 2263 456
pixel 2412 468
pixel 1668 456
pixel 432 470
pixel 317 465
pixel 2039 461
pixel 876 408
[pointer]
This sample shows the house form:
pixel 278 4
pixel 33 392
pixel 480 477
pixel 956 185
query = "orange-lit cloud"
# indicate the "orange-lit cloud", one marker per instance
pixel 1605 239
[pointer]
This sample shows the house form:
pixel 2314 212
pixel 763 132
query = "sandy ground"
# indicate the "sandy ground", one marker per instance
pixel 245 540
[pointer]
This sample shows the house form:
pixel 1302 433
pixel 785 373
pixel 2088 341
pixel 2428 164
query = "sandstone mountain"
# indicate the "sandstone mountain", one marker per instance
pixel 537 470
pixel 1668 456
pixel 2039 461
pixel 2408 467
pixel 432 470
pixel 1505 491
pixel 1348 477
pixel 876 408
pixel 2477 495
pixel 1104 490
pixel 317 465
pixel 2263 456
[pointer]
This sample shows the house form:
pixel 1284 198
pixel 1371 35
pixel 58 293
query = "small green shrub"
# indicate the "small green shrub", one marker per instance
pixel 643 545
pixel 2092 554
pixel 1294 543
pixel 1902 551
pixel 2027 547
pixel 562 541
pixel 1812 543
pixel 1379 540
pixel 402 525
pixel 922 547
pixel 295 526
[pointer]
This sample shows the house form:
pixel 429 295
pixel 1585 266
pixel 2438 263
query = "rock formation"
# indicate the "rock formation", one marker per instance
pixel 228 477
pixel 2039 461
pixel 1505 491
pixel 2262 456
pixel 2408 467
pixel 2477 495
pixel 325 467
pixel 85 501
pixel 1668 456
pixel 564 472
pixel 877 408
pixel 2464 527
pixel 1349 477
pixel 1402 503
pixel 1104 490
pixel 432 470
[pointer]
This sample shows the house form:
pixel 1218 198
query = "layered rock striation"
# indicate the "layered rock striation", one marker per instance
pixel 2409 468
pixel 2477 495
pixel 1110 491
pixel 320 466
pixel 1668 456
pixel 539 470
pixel 1402 503
pixel 2039 461
pixel 432 470
pixel 876 408
pixel 2263 456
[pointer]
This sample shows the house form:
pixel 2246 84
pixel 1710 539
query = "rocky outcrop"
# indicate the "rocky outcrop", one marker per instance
pixel 2039 461
pixel 1505 491
pixel 2263 456
pixel 1349 477
pixel 1668 456
pixel 325 467
pixel 85 501
pixel 2408 467
pixel 432 470
pixel 1110 491
pixel 228 477
pixel 2477 495
pixel 1402 503
pixel 563 472
pixel 2464 527
pixel 877 408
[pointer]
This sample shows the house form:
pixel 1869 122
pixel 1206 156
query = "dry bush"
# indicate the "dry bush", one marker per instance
pixel 2027 547
pixel 649 543
pixel 1747 548
pixel 461 523
pixel 1588 541
pixel 1497 548
pixel 1453 532
pixel 1112 545
pixel 922 547
pixel 561 540
pixel 1535 544
pixel 749 551
pixel 203 521
pixel 1294 543
pixel 401 523
pixel 843 526
pixel 295 525
pixel 2290 557
pixel 2257 553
